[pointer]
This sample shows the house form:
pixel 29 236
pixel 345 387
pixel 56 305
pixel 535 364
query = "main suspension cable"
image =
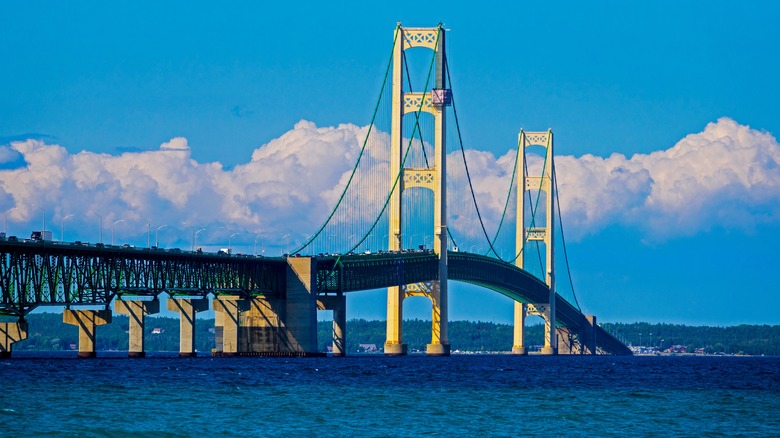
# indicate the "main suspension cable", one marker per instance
pixel 563 238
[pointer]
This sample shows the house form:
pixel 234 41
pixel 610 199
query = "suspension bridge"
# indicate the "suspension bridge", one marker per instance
pixel 407 217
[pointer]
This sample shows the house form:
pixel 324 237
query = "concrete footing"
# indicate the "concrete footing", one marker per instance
pixel 137 311
pixel 396 349
pixel 87 321
pixel 519 350
pixel 227 315
pixel 338 304
pixel 187 309
pixel 10 333
pixel 437 350
pixel 549 351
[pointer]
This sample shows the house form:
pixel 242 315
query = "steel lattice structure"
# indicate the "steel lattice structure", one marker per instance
pixel 42 273
pixel 36 274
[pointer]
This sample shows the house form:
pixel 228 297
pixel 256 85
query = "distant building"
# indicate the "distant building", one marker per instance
pixel 368 348
pixel 158 331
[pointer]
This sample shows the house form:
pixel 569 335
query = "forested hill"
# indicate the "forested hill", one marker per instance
pixel 47 332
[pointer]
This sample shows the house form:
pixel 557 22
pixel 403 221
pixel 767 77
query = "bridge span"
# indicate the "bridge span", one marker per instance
pixel 264 305
pixel 396 191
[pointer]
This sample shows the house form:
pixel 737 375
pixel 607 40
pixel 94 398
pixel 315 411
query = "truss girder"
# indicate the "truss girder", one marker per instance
pixel 362 272
pixel 35 274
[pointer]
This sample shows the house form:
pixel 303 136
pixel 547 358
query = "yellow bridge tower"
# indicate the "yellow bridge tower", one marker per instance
pixel 536 184
pixel 433 102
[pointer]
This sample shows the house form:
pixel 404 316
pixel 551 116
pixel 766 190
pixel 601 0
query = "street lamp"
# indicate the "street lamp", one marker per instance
pixel 101 225
pixel 230 237
pixel 260 237
pixel 43 228
pixel 411 240
pixel 112 229
pixel 286 237
pixel 148 235
pixel 5 222
pixel 62 227
pixel 156 235
pixel 333 246
pixel 195 236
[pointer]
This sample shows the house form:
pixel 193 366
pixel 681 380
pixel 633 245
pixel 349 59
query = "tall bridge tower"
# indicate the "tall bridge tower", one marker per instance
pixel 544 233
pixel 433 102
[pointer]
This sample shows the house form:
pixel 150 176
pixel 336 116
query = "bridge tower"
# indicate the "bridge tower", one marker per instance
pixel 433 102
pixel 534 184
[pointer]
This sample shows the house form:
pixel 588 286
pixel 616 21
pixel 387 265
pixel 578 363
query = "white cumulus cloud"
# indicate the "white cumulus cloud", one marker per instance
pixel 725 176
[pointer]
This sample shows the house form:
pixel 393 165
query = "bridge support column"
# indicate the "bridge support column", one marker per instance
pixel 187 308
pixel 550 339
pixel 87 321
pixel 338 305
pixel 137 311
pixel 518 346
pixel 263 331
pixel 589 338
pixel 301 306
pixel 550 335
pixel 10 333
pixel 394 345
pixel 228 313
pixel 283 326
pixel 567 341
pixel 439 345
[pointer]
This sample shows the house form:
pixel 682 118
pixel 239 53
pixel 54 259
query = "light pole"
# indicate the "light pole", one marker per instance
pixel 286 237
pixel 411 240
pixel 230 237
pixel 43 228
pixel 350 239
pixel 101 225
pixel 148 235
pixel 62 227
pixel 195 236
pixel 260 237
pixel 5 222
pixel 156 235
pixel 112 229
pixel 334 245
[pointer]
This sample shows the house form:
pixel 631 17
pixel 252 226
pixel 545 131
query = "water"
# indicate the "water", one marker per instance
pixel 491 395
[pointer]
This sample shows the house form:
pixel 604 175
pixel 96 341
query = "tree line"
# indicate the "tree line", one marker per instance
pixel 47 332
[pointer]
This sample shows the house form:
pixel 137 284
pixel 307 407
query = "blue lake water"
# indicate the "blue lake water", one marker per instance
pixel 493 395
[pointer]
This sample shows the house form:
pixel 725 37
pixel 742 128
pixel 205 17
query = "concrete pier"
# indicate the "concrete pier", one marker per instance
pixel 338 304
pixel 137 311
pixel 87 321
pixel 278 326
pixel 227 310
pixel 518 346
pixel 301 306
pixel 394 345
pixel 583 341
pixel 439 345
pixel 11 332
pixel 187 309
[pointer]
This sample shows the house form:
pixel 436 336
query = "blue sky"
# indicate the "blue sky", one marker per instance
pixel 612 77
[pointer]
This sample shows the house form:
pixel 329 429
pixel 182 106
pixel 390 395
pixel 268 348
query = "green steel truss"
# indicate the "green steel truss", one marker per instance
pixel 36 274
pixel 43 273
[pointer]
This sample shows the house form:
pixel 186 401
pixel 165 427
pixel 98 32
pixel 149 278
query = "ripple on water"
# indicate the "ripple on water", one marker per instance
pixel 377 396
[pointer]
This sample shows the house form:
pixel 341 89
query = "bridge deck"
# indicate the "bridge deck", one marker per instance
pixel 37 273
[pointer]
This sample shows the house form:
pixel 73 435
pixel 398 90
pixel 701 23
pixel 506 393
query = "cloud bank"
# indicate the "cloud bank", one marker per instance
pixel 725 176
